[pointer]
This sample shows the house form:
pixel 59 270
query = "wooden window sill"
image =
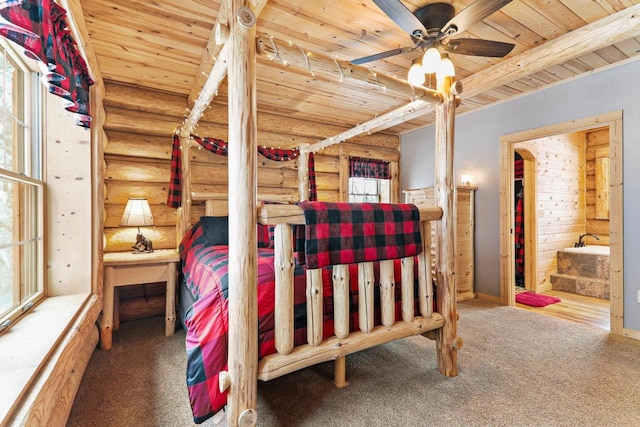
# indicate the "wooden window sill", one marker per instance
pixel 26 347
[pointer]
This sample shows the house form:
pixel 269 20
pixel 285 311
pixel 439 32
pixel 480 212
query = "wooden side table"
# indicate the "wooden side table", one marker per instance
pixel 128 268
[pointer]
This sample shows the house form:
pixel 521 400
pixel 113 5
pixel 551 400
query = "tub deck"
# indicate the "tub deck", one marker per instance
pixel 583 271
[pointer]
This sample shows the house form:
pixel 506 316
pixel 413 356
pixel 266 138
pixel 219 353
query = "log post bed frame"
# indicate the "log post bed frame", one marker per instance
pixel 234 53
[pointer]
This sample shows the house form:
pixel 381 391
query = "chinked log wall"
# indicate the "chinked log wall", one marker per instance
pixel 139 126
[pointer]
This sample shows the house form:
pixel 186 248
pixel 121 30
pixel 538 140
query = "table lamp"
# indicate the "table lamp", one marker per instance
pixel 136 214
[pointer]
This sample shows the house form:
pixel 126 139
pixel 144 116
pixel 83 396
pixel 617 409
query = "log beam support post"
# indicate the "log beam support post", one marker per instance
pixel 445 236
pixel 243 137
pixel 303 172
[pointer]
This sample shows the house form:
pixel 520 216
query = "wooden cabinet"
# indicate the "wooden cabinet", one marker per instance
pixel 464 246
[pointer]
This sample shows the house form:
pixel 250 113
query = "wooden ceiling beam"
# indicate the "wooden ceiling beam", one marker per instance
pixel 607 31
pixel 294 56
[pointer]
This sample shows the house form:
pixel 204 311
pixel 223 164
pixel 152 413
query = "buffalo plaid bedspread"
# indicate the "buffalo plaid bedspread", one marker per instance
pixel 204 272
pixel 345 233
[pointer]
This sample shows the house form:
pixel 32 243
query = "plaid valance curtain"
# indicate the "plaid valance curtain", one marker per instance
pixel 219 147
pixel 368 168
pixel 40 27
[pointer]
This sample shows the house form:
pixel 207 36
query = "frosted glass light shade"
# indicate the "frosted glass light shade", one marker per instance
pixel 431 60
pixel 137 214
pixel 416 74
pixel 446 68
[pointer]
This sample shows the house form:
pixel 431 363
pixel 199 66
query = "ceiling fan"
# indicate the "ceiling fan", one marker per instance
pixel 431 25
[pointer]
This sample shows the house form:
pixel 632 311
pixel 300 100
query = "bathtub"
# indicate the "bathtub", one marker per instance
pixel 583 271
pixel 592 250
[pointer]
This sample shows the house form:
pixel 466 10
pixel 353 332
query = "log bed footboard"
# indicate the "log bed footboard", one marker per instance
pixel 288 359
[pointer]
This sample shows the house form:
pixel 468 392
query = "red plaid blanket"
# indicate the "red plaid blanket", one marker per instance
pixel 345 233
pixel 204 271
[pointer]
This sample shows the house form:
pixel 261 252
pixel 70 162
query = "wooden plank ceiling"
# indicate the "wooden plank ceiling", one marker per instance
pixel 159 45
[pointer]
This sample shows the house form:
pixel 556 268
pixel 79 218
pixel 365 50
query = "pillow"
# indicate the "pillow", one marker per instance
pixel 215 230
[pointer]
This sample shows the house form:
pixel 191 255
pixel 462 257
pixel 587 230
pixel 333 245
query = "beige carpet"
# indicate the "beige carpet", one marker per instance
pixel 516 369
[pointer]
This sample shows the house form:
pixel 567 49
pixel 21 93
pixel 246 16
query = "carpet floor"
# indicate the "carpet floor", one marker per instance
pixel 517 368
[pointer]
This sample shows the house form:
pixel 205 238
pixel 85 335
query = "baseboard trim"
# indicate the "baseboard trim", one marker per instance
pixel 487 297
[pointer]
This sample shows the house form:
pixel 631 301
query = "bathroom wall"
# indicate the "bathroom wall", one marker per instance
pixel 597 151
pixel 559 197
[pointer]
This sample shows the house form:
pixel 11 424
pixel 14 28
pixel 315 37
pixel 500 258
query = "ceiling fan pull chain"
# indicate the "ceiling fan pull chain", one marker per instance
pixel 339 69
pixel 306 58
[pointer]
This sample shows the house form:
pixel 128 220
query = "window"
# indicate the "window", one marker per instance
pixel 21 186
pixel 368 190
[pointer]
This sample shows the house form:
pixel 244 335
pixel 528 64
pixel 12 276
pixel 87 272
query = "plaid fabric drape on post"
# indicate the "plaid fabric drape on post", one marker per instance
pixel 174 199
pixel 368 168
pixel 40 27
pixel 220 147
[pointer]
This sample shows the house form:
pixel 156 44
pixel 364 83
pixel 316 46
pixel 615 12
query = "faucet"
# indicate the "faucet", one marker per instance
pixel 580 243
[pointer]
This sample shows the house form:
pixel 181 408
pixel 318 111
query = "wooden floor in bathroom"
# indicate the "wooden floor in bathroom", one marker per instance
pixel 577 308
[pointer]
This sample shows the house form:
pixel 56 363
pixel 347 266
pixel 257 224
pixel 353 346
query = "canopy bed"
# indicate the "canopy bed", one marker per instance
pixel 391 296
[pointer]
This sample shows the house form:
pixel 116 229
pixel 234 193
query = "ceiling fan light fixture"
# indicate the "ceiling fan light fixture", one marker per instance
pixel 416 75
pixel 431 60
pixel 446 68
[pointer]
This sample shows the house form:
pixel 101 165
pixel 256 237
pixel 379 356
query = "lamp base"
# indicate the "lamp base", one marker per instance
pixel 142 245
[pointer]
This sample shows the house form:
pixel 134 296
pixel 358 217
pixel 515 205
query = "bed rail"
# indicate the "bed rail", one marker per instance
pixel 289 359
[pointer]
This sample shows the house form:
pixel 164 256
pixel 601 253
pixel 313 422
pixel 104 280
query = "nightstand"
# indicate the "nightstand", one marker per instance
pixel 128 268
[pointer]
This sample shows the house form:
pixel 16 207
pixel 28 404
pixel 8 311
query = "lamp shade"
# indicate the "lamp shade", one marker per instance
pixel 137 213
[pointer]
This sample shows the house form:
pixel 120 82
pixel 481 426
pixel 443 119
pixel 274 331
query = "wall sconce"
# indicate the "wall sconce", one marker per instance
pixel 466 180
pixel 136 214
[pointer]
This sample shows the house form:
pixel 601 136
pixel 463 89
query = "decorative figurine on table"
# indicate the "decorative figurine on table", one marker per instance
pixel 142 244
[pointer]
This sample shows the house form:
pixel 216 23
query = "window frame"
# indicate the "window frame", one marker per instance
pixel 382 195
pixel 27 173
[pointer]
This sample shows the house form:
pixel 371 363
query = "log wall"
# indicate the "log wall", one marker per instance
pixel 139 128
pixel 139 125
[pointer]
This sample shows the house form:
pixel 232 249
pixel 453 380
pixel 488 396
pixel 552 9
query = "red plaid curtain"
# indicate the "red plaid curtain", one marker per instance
pixel 219 147
pixel 40 27
pixel 368 168
pixel 174 199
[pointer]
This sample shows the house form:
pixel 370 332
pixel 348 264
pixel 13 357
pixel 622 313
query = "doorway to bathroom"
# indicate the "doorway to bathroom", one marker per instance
pixel 559 183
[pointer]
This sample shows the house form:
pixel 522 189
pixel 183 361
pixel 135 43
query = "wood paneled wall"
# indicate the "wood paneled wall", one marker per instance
pixel 560 197
pixel 597 148
pixel 139 126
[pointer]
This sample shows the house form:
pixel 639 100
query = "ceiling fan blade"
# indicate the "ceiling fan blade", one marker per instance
pixel 402 16
pixel 471 14
pixel 478 47
pixel 381 55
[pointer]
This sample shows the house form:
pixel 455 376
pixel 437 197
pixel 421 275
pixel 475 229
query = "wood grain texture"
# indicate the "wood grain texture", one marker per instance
pixel 243 144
